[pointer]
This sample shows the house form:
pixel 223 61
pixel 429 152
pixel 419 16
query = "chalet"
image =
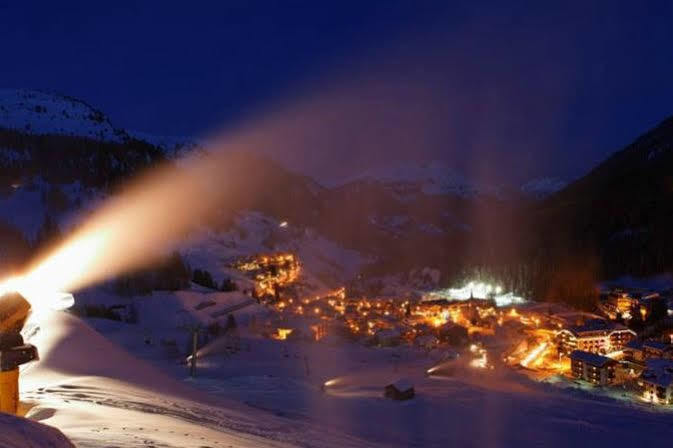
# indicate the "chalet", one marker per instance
pixel 657 381
pixel 399 390
pixel 596 369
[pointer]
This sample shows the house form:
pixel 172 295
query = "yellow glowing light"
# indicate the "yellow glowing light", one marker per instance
pixel 438 322
pixel 537 351
pixel 283 333
pixel 481 362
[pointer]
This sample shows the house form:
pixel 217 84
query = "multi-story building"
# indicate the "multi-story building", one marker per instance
pixel 656 349
pixel 639 352
pixel 595 336
pixel 596 369
pixel 619 302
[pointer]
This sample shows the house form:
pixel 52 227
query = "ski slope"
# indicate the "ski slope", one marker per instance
pixel 269 394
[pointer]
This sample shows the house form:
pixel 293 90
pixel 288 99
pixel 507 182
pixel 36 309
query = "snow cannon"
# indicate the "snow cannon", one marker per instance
pixel 14 310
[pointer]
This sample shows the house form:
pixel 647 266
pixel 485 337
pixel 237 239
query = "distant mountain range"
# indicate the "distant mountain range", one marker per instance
pixel 400 217
pixel 42 113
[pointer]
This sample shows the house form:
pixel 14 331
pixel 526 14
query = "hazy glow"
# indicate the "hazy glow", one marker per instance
pixel 478 290
pixel 40 296
pixel 129 231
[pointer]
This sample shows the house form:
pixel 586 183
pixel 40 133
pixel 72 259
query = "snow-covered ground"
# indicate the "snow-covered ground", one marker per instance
pixel 100 395
pixel 101 385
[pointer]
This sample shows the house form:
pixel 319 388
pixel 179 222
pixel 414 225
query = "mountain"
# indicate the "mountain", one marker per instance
pixel 542 187
pixel 399 218
pixel 621 211
pixel 39 113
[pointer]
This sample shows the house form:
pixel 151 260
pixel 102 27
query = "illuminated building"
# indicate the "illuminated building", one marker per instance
pixel 633 351
pixel 593 368
pixel 595 336
pixel 271 272
pixel 657 381
pixel 619 301
pixel 656 349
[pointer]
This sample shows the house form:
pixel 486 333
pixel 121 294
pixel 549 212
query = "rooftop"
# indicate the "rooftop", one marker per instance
pixel 596 325
pixel 659 372
pixel 591 358
pixel 657 345
pixel 402 384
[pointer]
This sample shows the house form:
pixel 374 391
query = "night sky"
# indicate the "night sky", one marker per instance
pixel 518 88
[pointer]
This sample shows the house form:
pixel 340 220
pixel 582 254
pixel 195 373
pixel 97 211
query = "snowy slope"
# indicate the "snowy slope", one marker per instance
pixel 44 113
pixel 37 112
pixel 100 396
pixel 325 264
pixel 17 432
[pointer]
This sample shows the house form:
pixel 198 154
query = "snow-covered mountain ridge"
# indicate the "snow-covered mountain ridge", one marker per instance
pixel 43 113
pixel 38 112
pixel 439 178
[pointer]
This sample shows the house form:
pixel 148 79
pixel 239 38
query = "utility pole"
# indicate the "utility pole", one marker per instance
pixel 193 327
pixel 192 361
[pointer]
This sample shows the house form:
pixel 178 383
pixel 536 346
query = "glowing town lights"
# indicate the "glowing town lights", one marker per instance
pixel 478 291
pixel 332 382
pixel 537 351
pixel 283 224
pixel 482 361
pixel 438 322
pixel 282 333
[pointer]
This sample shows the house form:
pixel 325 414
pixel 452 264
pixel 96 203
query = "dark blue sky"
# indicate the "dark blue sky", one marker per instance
pixel 520 87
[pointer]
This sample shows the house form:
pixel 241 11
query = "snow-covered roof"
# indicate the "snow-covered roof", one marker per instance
pixel 402 384
pixel 656 345
pixel 591 358
pixel 658 372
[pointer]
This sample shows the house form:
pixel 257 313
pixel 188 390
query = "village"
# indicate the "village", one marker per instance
pixel 622 348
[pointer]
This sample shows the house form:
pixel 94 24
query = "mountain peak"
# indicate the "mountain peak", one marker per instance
pixel 38 112
pixel 432 177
